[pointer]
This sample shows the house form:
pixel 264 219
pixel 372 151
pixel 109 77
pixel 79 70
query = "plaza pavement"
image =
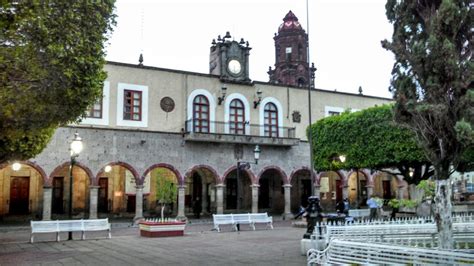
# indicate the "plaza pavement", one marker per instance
pixel 199 246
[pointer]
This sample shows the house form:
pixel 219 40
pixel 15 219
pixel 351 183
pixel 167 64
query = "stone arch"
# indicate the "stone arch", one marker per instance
pixel 271 180
pixel 119 163
pixel 282 173
pixel 301 187
pixel 250 174
pixel 76 164
pixel 34 166
pixel 188 173
pixel 200 182
pixel 163 165
pixel 302 169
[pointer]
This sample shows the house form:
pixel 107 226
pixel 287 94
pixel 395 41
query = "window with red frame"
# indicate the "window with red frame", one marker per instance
pixel 237 117
pixel 271 120
pixel 201 114
pixel 96 110
pixel 132 105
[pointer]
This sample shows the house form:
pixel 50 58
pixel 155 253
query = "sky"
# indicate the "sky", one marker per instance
pixel 344 37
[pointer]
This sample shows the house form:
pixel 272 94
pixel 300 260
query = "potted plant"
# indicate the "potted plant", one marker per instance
pixel 166 194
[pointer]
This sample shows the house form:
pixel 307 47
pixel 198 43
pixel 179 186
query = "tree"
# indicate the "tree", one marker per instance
pixel 369 139
pixel 51 62
pixel 166 190
pixel 432 83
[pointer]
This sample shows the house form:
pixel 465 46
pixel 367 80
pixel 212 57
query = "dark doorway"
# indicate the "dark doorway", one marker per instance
pixel 338 191
pixel 264 194
pixel 131 201
pixel 197 187
pixel 103 199
pixel 58 195
pixel 306 184
pixel 231 193
pixel 19 195
pixel 387 192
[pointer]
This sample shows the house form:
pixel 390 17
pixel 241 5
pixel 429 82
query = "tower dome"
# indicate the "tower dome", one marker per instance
pixel 290 22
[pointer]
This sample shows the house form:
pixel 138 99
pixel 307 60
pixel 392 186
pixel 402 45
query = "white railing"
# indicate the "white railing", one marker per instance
pixel 417 235
pixel 458 218
pixel 352 252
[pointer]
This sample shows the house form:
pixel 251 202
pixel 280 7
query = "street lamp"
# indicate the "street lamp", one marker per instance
pixel 75 148
pixel 243 165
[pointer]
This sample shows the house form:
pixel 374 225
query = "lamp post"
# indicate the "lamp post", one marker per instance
pixel 75 148
pixel 246 165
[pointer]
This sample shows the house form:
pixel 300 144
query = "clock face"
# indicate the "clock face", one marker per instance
pixel 234 66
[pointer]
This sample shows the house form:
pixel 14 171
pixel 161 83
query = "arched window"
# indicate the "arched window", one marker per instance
pixel 301 82
pixel 271 120
pixel 201 114
pixel 300 52
pixel 237 117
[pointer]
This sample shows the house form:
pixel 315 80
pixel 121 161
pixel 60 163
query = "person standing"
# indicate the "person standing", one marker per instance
pixel 373 206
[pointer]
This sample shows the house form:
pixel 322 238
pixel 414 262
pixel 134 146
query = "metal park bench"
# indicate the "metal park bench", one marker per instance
pixel 358 252
pixel 243 218
pixel 59 226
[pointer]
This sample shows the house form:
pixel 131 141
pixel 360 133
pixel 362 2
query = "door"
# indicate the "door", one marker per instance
pixel 338 191
pixel 103 198
pixel 387 192
pixel 306 192
pixel 131 201
pixel 19 195
pixel 264 194
pixel 58 195
pixel 231 193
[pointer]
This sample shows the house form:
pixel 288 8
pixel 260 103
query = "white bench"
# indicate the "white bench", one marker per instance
pixel 243 218
pixel 359 213
pixel 59 226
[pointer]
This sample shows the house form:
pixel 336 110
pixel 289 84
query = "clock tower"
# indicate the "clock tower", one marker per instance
pixel 230 59
pixel 291 57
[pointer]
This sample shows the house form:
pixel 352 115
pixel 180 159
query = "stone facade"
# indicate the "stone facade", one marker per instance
pixel 115 174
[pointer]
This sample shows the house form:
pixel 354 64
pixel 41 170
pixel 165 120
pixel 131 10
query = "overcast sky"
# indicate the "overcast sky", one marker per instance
pixel 344 37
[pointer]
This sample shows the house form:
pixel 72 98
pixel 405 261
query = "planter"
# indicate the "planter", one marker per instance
pixel 156 229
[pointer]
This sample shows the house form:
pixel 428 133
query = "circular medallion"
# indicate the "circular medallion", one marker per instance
pixel 167 104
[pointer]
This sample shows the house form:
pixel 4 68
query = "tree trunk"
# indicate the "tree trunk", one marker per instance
pixel 163 211
pixel 443 212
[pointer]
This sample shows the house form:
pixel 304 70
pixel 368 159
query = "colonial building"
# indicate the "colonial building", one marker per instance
pixel 193 128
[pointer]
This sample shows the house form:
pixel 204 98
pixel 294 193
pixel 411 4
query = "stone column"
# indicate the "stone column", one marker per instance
pixel 370 190
pixel 255 198
pixel 181 192
pixel 47 200
pixel 220 198
pixel 204 198
pixel 287 214
pixel 139 203
pixel 345 192
pixel 317 190
pixel 400 192
pixel 93 201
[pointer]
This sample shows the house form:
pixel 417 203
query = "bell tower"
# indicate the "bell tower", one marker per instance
pixel 291 57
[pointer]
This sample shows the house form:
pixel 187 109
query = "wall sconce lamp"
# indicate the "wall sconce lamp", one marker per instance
pixel 221 98
pixel 257 101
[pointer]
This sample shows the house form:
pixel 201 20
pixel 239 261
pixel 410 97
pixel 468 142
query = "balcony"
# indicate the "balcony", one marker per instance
pixel 243 133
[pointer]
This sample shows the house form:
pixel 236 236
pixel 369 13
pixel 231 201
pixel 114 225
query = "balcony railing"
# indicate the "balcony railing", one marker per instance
pixel 242 133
